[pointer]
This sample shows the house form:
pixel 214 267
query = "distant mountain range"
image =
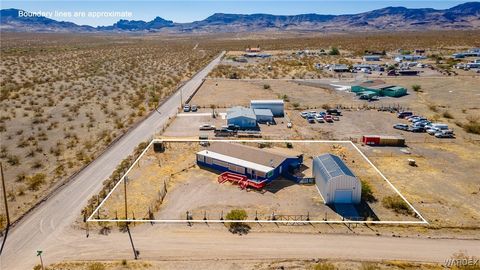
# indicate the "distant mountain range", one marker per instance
pixel 463 16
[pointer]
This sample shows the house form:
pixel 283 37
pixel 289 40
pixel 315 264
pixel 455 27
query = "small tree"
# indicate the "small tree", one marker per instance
pixel 237 227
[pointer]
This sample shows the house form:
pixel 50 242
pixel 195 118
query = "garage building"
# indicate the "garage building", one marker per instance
pixel 274 105
pixel 242 117
pixel 257 164
pixel 264 115
pixel 335 181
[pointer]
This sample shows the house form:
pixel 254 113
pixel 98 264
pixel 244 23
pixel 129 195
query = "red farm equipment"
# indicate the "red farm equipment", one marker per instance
pixel 239 179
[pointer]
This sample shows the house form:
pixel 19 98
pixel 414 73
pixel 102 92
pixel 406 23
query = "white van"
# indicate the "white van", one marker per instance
pixel 435 127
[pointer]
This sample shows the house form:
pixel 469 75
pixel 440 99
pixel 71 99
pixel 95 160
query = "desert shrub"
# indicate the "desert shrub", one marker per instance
pixel 433 107
pixel 237 227
pixel 285 98
pixel 296 105
pixel 96 266
pixel 3 221
pixel 34 182
pixel 447 114
pixel 266 86
pixel 324 266
pixel 369 266
pixel 473 125
pixel 416 88
pixel 367 193
pixel 397 204
pixel 334 51
pixel 13 160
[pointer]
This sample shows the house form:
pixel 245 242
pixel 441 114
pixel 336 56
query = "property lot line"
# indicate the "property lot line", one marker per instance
pixel 391 185
pixel 91 219
pixel 260 221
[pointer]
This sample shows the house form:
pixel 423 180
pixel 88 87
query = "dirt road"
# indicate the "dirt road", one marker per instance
pixel 178 242
pixel 61 209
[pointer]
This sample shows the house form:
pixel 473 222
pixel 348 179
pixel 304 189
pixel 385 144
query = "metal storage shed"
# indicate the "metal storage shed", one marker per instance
pixel 274 105
pixel 264 115
pixel 243 117
pixel 371 58
pixel 335 181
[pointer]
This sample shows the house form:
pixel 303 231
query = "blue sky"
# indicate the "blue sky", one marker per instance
pixel 188 10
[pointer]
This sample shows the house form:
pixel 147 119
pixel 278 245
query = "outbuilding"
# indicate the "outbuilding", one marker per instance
pixel 371 58
pixel 276 106
pixel 242 117
pixel 335 181
pixel 260 165
pixel 264 115
pixel 380 88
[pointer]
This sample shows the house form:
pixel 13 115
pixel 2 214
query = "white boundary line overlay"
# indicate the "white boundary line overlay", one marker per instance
pixel 423 220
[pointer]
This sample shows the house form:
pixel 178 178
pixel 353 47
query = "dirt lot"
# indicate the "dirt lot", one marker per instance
pixel 445 166
pixel 196 190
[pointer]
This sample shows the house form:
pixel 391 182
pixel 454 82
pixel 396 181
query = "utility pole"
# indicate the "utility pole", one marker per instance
pixel 39 254
pixel 5 196
pixel 135 252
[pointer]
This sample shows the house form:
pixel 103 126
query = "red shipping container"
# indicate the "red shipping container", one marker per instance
pixel 371 140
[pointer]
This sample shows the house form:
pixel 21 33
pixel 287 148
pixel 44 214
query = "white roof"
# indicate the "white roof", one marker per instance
pixel 236 161
pixel 267 101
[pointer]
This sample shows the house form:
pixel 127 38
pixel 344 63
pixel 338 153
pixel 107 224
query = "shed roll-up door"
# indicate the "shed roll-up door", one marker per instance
pixel 343 196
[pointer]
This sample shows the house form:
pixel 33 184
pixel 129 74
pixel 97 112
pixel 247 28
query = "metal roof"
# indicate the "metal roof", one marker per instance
pixel 267 101
pixel 235 161
pixel 263 112
pixel 332 166
pixel 240 112
pixel 263 156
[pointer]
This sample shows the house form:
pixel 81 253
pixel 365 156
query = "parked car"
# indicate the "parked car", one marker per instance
pixel 419 119
pixel 207 127
pixel 194 108
pixel 401 126
pixel 311 119
pixel 415 118
pixel 328 118
pixel 186 108
pixel 435 127
pixel 319 119
pixel 416 129
pixel 432 130
pixel 404 114
pixel 232 127
pixel 334 112
pixel 304 114
pixel 411 116
pixel 445 134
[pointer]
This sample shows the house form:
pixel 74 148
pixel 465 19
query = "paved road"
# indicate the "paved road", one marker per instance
pixel 63 208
